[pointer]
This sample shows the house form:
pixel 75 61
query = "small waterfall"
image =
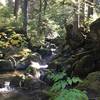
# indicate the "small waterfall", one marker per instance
pixel 6 88
pixel 38 68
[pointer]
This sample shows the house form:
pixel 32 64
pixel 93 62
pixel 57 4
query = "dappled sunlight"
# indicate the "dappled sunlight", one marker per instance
pixel 3 2
pixel 95 16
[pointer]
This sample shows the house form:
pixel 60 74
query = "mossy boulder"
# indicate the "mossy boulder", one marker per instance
pixel 91 84
pixel 83 66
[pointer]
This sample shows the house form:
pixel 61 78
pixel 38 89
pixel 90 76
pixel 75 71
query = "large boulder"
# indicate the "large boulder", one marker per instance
pixel 28 83
pixel 91 85
pixel 31 89
pixel 83 66
pixel 1 55
pixel 26 61
pixel 15 81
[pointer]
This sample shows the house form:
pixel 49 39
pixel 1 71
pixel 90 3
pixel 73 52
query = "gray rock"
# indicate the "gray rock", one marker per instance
pixel 25 62
pixel 91 84
pixel 6 65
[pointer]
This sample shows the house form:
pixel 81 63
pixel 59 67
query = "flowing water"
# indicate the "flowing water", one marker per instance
pixel 9 93
pixel 6 88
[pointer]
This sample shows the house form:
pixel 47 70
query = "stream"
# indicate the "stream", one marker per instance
pixel 12 93
pixel 7 92
pixel 5 89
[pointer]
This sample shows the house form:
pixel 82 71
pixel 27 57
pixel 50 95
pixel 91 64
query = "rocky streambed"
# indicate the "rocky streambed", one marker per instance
pixel 13 88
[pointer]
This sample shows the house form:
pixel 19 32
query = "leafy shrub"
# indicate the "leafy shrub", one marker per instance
pixel 8 38
pixel 15 39
pixel 61 80
pixel 59 90
pixel 72 94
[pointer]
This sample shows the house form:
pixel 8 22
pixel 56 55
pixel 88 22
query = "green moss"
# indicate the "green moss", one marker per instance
pixel 92 82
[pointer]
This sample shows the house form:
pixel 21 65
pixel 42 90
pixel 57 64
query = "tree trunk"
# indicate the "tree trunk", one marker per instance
pixel 82 13
pixel 16 8
pixel 90 8
pixel 40 18
pixel 25 22
pixel 76 18
pixel 25 16
pixel 45 5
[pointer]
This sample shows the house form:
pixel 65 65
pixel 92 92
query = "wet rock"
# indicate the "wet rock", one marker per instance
pixel 45 53
pixel 22 64
pixel 16 81
pixel 6 65
pixel 36 57
pixel 34 84
pixel 91 84
pixel 1 83
pixel 1 55
pixel 26 61
pixel 28 83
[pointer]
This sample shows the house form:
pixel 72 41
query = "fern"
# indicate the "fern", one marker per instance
pixel 59 91
pixel 72 94
pixel 60 85
pixel 56 77
pixel 61 77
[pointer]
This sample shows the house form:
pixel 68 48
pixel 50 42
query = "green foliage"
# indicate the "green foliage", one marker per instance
pixel 29 69
pixel 72 94
pixel 61 81
pixel 9 38
pixel 56 77
pixel 25 52
pixel 59 90
pixel 7 17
